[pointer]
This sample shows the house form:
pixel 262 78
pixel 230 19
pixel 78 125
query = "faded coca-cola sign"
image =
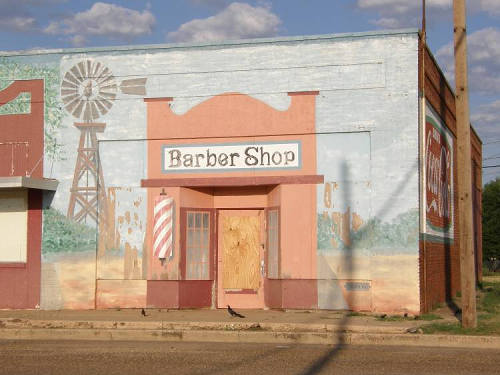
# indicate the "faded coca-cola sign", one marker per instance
pixel 438 176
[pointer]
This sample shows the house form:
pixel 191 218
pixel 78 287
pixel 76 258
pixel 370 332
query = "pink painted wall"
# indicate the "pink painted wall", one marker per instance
pixel 291 294
pixel 24 128
pixel 240 197
pixel 202 198
pixel 20 282
pixel 179 294
pixel 195 293
pixel 274 197
pixel 163 294
pixel 230 118
pixel 299 294
pixel 298 232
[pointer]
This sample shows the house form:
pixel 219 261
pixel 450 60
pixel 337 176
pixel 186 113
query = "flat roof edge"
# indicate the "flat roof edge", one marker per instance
pixel 19 182
pixel 226 43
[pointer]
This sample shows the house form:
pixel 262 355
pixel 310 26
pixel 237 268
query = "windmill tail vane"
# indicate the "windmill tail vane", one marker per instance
pixel 136 86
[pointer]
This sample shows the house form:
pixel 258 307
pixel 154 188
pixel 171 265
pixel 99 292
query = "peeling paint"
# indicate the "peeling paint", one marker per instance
pixel 357 222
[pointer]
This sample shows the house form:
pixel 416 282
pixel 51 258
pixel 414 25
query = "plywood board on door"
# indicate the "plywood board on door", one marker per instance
pixel 241 248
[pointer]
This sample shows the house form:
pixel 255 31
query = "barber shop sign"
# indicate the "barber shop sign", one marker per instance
pixel 231 156
pixel 438 176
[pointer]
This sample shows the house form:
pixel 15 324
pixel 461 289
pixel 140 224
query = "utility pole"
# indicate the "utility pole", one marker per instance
pixel 467 267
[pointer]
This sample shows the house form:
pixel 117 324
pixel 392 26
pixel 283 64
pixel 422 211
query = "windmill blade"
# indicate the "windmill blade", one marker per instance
pixel 78 110
pixel 104 76
pixel 101 107
pixel 69 92
pixel 70 78
pixel 69 85
pixel 67 100
pixel 107 103
pixel 77 74
pixel 82 67
pixel 89 69
pixel 71 103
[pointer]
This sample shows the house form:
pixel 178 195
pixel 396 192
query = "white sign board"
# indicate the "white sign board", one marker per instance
pixel 233 156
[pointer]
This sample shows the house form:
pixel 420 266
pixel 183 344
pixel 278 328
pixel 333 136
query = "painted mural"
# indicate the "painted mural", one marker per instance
pixel 326 116
pixel 355 246
pixel 438 177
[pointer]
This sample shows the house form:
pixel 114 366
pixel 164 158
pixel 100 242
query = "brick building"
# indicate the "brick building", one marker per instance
pixel 312 172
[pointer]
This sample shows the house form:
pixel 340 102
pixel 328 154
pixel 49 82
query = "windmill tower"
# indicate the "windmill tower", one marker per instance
pixel 88 90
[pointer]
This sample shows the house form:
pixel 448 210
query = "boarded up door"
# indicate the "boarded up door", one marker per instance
pixel 240 258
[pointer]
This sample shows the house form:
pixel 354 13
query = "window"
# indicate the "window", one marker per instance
pixel 197 249
pixel 273 243
pixel 13 225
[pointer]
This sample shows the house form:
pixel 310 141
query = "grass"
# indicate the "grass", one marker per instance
pixel 355 313
pixel 486 272
pixel 488 315
pixel 428 317
pixel 401 318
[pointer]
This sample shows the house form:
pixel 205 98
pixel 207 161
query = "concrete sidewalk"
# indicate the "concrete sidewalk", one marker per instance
pixel 258 326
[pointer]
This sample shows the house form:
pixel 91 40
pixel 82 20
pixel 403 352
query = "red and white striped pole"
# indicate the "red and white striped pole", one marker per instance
pixel 162 227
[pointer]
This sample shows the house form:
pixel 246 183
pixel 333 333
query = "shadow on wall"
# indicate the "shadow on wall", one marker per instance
pixel 339 340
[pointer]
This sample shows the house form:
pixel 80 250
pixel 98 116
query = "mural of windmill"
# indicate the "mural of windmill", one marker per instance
pixel 88 91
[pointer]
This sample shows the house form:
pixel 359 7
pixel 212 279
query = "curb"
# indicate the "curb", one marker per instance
pixel 202 326
pixel 270 333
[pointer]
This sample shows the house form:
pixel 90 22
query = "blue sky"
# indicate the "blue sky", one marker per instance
pixel 33 24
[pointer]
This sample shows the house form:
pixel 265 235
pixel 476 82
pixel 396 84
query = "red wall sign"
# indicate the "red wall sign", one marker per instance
pixel 438 176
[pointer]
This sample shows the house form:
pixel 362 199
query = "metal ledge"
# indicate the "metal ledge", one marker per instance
pixel 20 182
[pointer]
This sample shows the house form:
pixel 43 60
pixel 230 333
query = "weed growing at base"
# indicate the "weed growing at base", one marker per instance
pixel 488 315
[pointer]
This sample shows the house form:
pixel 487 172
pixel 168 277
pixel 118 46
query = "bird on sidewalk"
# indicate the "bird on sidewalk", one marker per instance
pixel 143 312
pixel 233 313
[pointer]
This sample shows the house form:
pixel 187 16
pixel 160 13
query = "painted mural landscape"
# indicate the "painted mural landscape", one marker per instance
pixel 152 147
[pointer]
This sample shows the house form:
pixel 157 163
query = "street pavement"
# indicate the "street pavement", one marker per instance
pixel 118 357
pixel 205 325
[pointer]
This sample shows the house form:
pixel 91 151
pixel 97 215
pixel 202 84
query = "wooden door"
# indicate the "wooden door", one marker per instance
pixel 240 259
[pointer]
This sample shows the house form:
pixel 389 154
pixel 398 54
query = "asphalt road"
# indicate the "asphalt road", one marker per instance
pixel 109 358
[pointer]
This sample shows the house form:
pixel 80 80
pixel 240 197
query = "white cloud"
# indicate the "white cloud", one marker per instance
pixel 210 3
pixel 78 40
pixel 402 13
pixel 492 7
pixel 486 120
pixel 408 13
pixel 483 49
pixel 17 24
pixel 19 15
pixel 237 21
pixel 104 19
pixel 53 28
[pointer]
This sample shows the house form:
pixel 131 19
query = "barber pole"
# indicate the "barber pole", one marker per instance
pixel 162 230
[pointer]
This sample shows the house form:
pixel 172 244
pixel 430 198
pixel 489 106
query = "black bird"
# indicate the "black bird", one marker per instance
pixel 143 312
pixel 233 313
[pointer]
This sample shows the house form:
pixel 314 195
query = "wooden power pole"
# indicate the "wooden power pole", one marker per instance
pixel 467 266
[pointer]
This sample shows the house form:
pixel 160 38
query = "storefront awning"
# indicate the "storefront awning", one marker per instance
pixel 232 181
pixel 22 182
